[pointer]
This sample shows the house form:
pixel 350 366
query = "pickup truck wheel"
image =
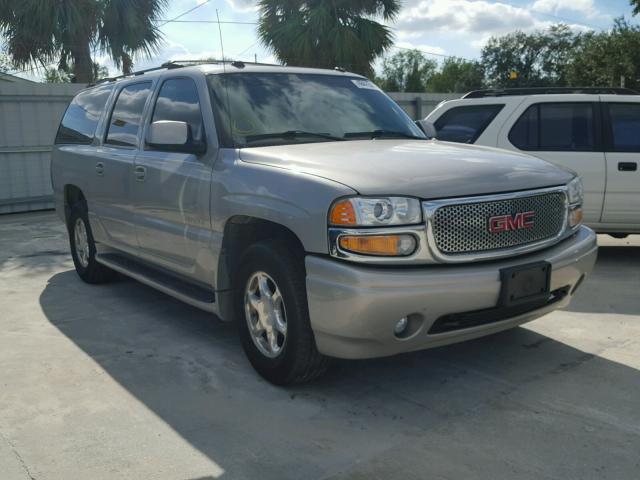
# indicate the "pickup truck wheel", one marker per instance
pixel 273 316
pixel 83 248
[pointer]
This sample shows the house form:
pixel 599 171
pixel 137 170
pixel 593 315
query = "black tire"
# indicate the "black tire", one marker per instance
pixel 89 271
pixel 299 360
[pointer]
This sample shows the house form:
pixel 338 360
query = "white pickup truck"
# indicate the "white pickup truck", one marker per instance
pixel 592 131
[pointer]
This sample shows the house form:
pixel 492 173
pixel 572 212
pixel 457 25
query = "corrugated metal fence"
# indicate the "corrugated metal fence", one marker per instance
pixel 29 118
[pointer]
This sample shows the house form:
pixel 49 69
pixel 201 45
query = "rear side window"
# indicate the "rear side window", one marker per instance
pixel 465 124
pixel 625 127
pixel 80 121
pixel 555 127
pixel 127 115
pixel 178 101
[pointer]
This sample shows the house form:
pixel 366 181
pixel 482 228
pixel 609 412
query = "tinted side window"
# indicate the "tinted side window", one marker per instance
pixel 127 114
pixel 178 101
pixel 81 118
pixel 555 127
pixel 465 124
pixel 625 127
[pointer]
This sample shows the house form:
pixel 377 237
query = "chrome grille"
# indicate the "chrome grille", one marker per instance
pixel 464 228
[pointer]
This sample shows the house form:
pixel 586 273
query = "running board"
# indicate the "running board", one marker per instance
pixel 180 289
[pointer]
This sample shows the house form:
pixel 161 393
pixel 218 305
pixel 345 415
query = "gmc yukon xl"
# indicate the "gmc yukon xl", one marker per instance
pixel 308 208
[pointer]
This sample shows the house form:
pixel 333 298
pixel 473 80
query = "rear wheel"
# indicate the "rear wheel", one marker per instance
pixel 273 316
pixel 83 248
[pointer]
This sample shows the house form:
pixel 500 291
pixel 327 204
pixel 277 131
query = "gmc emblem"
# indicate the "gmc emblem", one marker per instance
pixel 507 223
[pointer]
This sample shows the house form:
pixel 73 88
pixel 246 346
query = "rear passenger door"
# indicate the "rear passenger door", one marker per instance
pixel 567 133
pixel 622 151
pixel 172 189
pixel 113 167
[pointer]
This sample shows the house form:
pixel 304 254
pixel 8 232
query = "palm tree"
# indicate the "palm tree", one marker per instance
pixel 68 31
pixel 327 33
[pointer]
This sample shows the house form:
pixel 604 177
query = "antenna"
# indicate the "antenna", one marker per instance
pixel 224 69
pixel 226 87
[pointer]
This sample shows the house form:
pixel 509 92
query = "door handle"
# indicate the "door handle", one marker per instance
pixel 100 168
pixel 140 173
pixel 627 166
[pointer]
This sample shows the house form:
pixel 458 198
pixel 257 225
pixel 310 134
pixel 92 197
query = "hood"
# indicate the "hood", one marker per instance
pixel 423 169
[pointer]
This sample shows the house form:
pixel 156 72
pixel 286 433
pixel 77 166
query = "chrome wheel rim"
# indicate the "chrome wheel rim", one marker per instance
pixel 265 314
pixel 81 241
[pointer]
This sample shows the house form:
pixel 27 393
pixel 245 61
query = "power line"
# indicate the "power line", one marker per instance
pixel 427 52
pixel 223 22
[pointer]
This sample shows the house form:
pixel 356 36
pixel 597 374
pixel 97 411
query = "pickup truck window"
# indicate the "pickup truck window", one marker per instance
pixel 127 113
pixel 81 118
pixel 178 101
pixel 465 124
pixel 625 125
pixel 554 126
pixel 261 109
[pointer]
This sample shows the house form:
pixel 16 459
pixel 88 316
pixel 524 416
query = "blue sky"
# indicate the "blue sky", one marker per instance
pixel 445 27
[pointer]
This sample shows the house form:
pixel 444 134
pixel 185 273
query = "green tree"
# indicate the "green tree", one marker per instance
pixel 406 71
pixel 327 33
pixel 5 64
pixel 537 59
pixel 602 59
pixel 57 75
pixel 66 32
pixel 457 75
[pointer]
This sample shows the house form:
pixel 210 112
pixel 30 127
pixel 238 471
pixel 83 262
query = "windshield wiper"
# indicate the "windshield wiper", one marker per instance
pixel 291 134
pixel 383 134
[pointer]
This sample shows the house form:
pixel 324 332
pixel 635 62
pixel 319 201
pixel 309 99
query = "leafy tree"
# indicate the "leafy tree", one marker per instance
pixel 5 64
pixel 57 75
pixel 406 71
pixel 601 59
pixel 457 75
pixel 66 31
pixel 537 59
pixel 327 33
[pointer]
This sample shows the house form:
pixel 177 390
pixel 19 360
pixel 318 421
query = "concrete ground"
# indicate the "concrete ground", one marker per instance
pixel 121 382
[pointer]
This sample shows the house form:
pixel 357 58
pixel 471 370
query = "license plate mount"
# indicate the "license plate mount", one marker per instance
pixel 525 283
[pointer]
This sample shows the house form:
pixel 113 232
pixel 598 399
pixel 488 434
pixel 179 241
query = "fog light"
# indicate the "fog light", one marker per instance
pixel 401 326
pixel 575 216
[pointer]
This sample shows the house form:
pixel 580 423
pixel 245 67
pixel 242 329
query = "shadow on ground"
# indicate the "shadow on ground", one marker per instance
pixel 514 405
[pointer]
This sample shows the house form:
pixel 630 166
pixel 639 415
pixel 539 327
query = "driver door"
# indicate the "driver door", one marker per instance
pixel 171 189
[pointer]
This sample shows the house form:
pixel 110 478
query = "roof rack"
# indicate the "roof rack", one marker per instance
pixel 504 92
pixel 179 64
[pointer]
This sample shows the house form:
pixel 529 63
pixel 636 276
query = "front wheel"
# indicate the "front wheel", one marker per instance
pixel 273 316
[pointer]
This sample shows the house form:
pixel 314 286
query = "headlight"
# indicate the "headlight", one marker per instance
pixel 375 212
pixel 575 191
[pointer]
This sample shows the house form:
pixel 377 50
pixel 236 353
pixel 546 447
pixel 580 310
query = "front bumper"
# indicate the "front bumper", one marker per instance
pixel 354 308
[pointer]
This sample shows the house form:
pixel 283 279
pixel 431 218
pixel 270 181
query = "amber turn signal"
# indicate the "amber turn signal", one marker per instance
pixel 379 245
pixel 343 213
pixel 575 216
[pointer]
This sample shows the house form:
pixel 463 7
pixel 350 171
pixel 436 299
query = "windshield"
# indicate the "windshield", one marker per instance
pixel 262 109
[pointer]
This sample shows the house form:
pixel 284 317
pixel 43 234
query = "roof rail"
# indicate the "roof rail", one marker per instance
pixel 504 92
pixel 179 64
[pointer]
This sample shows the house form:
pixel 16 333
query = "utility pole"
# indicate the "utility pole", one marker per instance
pixel 622 81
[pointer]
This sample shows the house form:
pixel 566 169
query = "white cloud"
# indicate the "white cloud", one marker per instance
pixel 464 16
pixel 243 5
pixel 477 17
pixel 584 7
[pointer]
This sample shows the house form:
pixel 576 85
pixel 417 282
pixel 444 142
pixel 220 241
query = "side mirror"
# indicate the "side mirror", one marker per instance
pixel 427 127
pixel 172 136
